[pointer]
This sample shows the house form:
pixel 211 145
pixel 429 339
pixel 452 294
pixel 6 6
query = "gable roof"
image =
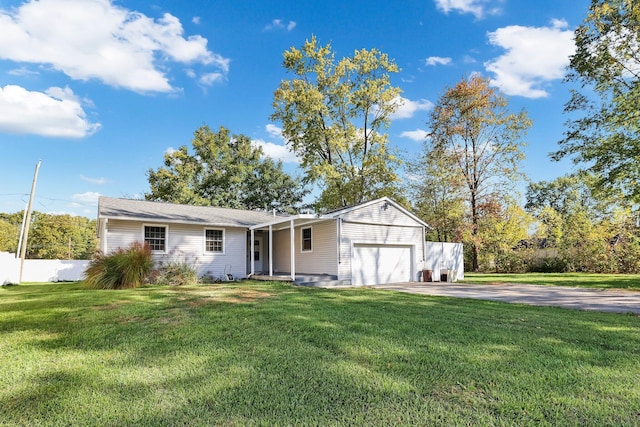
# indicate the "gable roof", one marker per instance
pixel 143 210
pixel 336 213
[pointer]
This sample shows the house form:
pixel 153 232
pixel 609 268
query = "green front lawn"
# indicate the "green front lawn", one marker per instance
pixel 272 354
pixel 583 280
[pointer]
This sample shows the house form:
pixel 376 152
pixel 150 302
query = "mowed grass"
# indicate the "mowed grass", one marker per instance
pixel 257 353
pixel 583 280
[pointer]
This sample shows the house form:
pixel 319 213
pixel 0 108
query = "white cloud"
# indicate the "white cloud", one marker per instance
pixel 468 59
pixel 98 181
pixel 196 20
pixel 95 39
pixel 275 151
pixel 408 107
pixel 279 24
pixel 437 60
pixel 417 135
pixel 55 113
pixel 478 8
pixel 23 72
pixel 274 131
pixel 210 78
pixel 88 198
pixel 534 57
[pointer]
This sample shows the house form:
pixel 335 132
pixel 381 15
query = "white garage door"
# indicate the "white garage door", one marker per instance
pixel 378 264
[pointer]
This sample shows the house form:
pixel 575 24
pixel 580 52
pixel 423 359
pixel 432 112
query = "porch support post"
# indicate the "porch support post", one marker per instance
pixel 251 249
pixel 270 250
pixel 293 251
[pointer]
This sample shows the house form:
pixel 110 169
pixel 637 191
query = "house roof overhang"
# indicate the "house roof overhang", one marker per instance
pixel 284 223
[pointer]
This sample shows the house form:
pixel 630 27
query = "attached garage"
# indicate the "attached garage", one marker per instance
pixel 375 264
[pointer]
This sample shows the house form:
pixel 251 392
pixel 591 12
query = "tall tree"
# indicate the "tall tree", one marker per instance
pixel 9 232
pixel 51 236
pixel 606 138
pixel 473 133
pixel 333 115
pixel 438 196
pixel 572 193
pixel 502 229
pixel 226 171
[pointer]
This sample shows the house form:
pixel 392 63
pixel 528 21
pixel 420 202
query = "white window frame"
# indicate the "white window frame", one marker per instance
pixel 224 241
pixel 302 249
pixel 166 237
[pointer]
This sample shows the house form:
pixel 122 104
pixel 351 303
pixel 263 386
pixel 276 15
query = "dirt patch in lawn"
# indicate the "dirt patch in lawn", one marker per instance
pixel 197 297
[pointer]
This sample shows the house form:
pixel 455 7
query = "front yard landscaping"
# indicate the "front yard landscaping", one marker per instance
pixel 267 353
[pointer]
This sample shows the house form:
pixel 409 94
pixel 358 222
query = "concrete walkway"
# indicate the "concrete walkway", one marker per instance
pixel 617 300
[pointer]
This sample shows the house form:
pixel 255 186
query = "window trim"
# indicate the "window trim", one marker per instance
pixel 302 239
pixel 166 237
pixel 204 242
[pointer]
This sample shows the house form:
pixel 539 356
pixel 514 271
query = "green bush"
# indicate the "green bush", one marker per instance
pixel 552 264
pixel 177 273
pixel 121 269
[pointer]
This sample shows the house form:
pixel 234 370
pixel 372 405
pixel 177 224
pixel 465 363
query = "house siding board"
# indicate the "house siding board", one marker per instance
pixel 377 214
pixel 355 233
pixel 186 243
pixel 323 258
pixel 120 234
pixel 281 251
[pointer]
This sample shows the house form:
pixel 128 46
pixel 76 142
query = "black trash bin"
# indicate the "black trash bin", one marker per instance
pixel 444 275
pixel 427 275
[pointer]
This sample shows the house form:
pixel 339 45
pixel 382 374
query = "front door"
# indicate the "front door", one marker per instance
pixel 257 255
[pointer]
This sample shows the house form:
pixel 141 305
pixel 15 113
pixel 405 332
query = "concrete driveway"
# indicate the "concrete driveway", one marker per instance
pixel 619 301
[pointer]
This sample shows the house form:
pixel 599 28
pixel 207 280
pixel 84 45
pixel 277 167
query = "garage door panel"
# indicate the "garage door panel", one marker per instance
pixel 378 264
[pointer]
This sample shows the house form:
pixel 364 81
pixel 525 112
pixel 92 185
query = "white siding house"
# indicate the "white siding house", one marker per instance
pixel 367 244
pixel 214 240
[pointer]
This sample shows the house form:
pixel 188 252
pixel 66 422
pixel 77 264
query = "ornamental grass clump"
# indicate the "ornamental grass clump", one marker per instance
pixel 122 269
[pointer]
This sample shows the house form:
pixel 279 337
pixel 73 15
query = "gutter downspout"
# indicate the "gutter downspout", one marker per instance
pixel 103 236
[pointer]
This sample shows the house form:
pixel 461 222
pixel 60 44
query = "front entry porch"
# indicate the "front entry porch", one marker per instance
pixel 302 279
pixel 275 249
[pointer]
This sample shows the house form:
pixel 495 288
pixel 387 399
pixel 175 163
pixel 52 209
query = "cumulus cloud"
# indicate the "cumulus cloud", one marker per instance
pixel 534 57
pixel 88 198
pixel 478 8
pixel 95 39
pixel 279 24
pixel 417 135
pixel 275 151
pixel 210 78
pixel 408 107
pixel 57 112
pixel 437 60
pixel 274 130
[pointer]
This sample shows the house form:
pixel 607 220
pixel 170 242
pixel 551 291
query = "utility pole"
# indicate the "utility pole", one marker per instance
pixel 23 249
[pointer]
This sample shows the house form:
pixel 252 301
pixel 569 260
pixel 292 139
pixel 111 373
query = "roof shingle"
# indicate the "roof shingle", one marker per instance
pixel 113 208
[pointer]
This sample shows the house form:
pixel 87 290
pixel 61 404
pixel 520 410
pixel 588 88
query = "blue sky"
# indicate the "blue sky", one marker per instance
pixel 99 90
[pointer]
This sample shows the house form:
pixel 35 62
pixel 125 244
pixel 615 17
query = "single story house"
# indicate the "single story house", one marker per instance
pixel 370 243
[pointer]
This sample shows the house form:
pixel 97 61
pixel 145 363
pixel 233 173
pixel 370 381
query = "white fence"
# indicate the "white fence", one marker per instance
pixel 40 270
pixel 445 258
